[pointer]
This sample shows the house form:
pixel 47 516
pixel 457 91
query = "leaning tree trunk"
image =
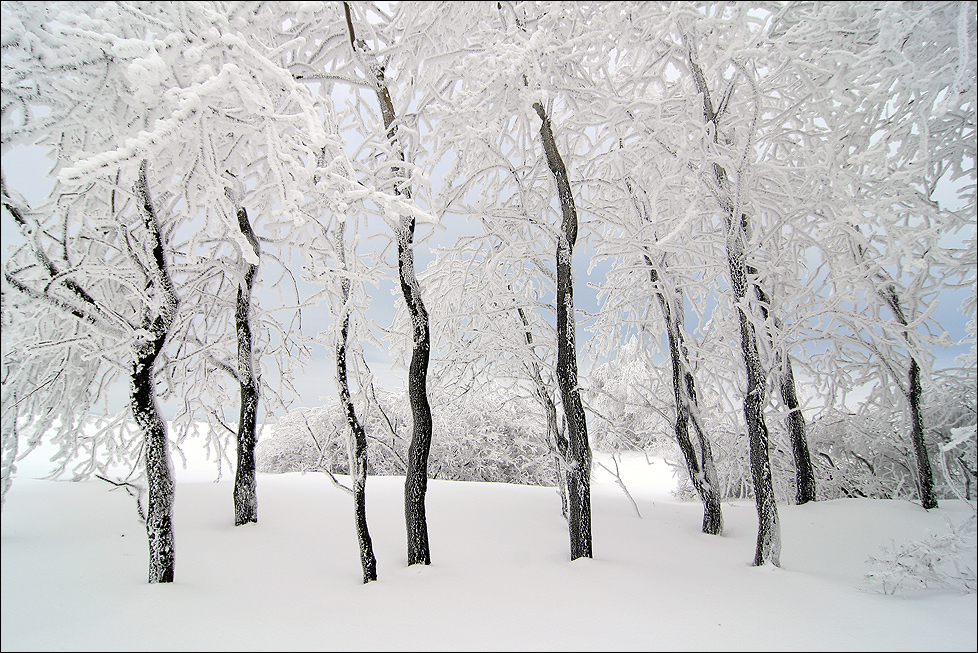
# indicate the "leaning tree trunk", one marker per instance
pixel 578 447
pixel 156 452
pixel 702 471
pixel 245 481
pixel 416 479
pixel 556 441
pixel 768 549
pixel 928 498
pixel 358 437
pixel 888 293
pixel 798 432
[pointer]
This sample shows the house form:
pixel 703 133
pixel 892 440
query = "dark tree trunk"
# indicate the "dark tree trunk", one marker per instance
pixel 928 499
pixel 888 292
pixel 578 446
pixel 159 467
pixel 358 437
pixel 797 429
pixel 768 549
pixel 245 480
pixel 702 471
pixel 416 480
pixel 359 450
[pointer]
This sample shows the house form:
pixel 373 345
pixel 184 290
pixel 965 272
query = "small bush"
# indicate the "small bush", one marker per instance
pixel 946 560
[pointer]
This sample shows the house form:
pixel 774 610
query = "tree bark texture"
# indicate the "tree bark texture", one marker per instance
pixel 156 452
pixel 159 468
pixel 416 479
pixel 702 470
pixel 925 473
pixel 928 499
pixel 245 479
pixel 795 421
pixel 358 437
pixel 578 446
pixel 798 432
pixel 768 549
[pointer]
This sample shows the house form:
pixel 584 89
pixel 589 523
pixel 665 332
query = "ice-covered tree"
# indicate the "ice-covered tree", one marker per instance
pixel 130 99
pixel 892 113
pixel 526 70
pixel 369 66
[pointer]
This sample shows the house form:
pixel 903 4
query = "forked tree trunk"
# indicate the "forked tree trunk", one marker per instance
pixel 578 447
pixel 156 452
pixel 416 479
pixel 245 479
pixel 702 471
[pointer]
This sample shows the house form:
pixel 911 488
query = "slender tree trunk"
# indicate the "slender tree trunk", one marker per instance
pixel 888 293
pixel 798 432
pixel 156 452
pixel 925 473
pixel 159 467
pixel 245 478
pixel 556 441
pixel 768 549
pixel 416 480
pixel 702 471
pixel 797 428
pixel 578 449
pixel 358 437
pixel 928 499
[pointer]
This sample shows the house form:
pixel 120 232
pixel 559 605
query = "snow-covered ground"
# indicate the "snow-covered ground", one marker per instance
pixel 75 559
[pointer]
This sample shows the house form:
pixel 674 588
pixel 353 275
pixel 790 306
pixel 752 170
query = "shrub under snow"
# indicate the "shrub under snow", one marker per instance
pixel 474 439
